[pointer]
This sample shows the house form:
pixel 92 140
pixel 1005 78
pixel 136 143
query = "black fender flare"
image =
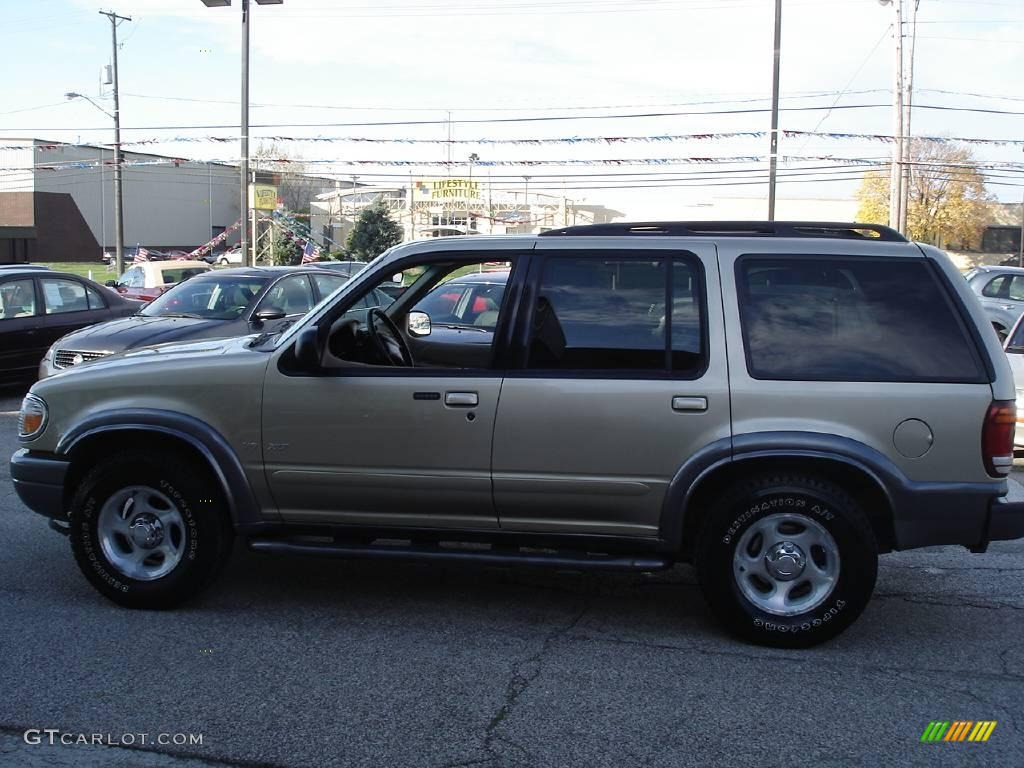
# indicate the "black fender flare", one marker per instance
pixel 210 444
pixel 913 504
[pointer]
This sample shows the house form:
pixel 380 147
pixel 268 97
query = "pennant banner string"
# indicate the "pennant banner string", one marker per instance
pixel 656 138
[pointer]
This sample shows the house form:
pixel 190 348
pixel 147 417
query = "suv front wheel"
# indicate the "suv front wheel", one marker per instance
pixel 787 561
pixel 148 529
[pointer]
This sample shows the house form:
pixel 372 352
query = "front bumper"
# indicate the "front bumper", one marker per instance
pixel 39 481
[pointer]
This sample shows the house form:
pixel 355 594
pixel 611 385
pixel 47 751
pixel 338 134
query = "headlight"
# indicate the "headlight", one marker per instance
pixel 32 418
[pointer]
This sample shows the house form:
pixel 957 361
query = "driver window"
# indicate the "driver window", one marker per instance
pixel 446 317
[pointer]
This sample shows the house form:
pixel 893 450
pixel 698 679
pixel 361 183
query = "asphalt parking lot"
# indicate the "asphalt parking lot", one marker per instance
pixel 292 662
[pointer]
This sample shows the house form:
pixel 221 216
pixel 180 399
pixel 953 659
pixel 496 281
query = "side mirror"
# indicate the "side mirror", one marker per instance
pixel 307 348
pixel 269 313
pixel 418 324
pixel 111 283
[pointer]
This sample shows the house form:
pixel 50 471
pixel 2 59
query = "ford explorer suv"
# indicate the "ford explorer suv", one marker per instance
pixel 777 403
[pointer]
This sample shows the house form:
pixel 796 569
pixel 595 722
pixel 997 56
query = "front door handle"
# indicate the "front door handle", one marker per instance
pixel 462 399
pixel 681 403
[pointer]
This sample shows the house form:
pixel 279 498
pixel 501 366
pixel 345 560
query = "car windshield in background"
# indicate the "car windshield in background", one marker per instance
pixel 220 298
pixel 1016 342
pixel 180 274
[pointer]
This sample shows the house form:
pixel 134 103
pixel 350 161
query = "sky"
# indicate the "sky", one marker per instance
pixel 591 68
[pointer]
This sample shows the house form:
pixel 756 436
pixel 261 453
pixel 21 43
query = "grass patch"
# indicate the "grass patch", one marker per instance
pixel 100 273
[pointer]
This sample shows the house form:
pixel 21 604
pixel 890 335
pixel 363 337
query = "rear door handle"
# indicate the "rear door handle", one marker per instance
pixel 681 403
pixel 461 399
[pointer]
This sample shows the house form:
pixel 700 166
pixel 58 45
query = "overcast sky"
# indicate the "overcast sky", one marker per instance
pixel 363 61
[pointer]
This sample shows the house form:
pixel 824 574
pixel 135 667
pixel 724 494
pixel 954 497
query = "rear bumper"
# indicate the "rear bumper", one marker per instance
pixel 39 482
pixel 1005 521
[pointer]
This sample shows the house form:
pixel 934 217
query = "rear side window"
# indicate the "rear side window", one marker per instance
pixel 858 319
pixel 995 287
pixel 64 296
pixel 619 314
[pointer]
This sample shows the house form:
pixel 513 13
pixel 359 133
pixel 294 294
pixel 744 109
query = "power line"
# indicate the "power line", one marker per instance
pixel 563 108
pixel 545 118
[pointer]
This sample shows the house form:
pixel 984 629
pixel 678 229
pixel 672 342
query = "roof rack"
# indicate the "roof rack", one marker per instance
pixel 829 229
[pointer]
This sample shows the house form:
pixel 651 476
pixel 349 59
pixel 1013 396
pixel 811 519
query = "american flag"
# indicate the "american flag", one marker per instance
pixel 310 253
pixel 141 255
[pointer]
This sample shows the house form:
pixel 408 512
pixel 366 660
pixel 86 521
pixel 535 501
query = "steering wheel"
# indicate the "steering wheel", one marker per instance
pixel 392 346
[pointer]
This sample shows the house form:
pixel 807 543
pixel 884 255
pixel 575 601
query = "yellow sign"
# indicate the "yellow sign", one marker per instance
pixel 262 197
pixel 448 189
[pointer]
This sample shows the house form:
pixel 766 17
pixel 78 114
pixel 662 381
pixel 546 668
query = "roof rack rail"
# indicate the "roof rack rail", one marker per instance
pixel 831 229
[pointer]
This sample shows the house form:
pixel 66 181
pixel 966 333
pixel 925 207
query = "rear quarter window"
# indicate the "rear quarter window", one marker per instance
pixel 855 319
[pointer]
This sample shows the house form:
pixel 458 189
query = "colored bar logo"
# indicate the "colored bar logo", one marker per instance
pixel 958 730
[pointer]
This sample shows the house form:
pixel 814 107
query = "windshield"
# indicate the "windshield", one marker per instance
pixel 219 298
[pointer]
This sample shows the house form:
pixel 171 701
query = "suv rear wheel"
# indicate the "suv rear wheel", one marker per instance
pixel 148 530
pixel 787 561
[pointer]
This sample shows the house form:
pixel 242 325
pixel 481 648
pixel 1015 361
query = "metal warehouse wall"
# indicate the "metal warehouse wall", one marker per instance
pixel 165 206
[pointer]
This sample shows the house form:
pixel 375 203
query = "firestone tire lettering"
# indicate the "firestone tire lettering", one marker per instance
pixel 821 500
pixel 208 535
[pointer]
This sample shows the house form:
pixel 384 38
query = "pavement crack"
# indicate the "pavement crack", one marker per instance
pixel 804 657
pixel 987 568
pixel 525 672
pixel 911 598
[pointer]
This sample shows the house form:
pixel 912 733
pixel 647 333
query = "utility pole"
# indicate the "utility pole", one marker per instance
pixel 243 209
pixel 896 169
pixel 473 157
pixel 526 202
pixel 774 146
pixel 118 196
pixel 908 100
pixel 247 259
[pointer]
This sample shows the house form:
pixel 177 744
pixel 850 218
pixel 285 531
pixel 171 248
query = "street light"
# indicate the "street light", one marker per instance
pixel 244 165
pixel 118 197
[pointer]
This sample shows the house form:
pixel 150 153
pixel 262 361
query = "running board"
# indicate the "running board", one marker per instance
pixel 480 555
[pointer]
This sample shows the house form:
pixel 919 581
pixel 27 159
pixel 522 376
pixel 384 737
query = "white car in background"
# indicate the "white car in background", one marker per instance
pixel 1014 348
pixel 225 258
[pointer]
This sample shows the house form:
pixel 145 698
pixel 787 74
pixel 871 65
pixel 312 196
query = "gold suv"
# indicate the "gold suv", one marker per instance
pixel 777 403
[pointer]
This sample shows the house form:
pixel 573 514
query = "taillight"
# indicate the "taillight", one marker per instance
pixel 997 437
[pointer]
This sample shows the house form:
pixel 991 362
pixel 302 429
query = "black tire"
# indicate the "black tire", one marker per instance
pixel 821 501
pixel 205 536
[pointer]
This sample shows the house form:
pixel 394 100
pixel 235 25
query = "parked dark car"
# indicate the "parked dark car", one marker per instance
pixel 39 305
pixel 217 304
pixel 350 269
pixel 460 312
pixel 33 267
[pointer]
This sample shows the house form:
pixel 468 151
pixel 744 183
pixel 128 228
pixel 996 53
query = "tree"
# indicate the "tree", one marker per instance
pixel 373 233
pixel 948 203
pixel 294 188
pixel 286 251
